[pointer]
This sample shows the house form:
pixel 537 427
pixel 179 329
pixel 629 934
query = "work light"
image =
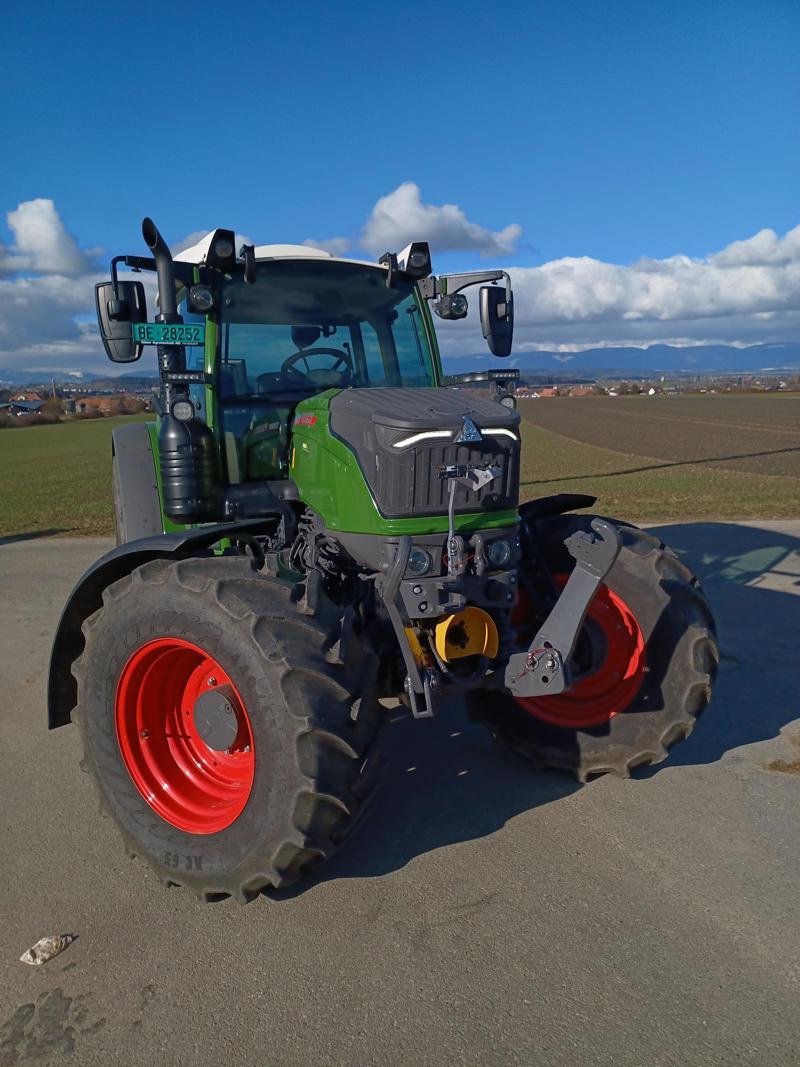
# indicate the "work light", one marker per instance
pixel 222 250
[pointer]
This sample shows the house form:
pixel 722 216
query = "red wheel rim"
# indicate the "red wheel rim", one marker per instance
pixel 193 787
pixel 610 686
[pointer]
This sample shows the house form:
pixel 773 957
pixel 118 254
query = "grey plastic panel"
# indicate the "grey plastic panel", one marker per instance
pixel 136 501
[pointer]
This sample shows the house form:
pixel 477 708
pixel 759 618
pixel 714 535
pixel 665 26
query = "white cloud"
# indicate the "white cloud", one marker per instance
pixel 401 217
pixel 762 249
pixel 42 243
pixel 747 293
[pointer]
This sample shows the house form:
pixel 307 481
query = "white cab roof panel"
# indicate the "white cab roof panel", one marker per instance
pixel 197 253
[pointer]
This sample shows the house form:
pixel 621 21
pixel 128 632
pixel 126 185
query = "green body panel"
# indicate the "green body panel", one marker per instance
pixel 330 481
pixel 210 354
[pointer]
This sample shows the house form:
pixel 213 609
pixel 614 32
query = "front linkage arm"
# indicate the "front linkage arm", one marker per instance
pixel 543 669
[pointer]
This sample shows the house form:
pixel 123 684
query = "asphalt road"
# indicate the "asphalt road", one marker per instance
pixel 482 915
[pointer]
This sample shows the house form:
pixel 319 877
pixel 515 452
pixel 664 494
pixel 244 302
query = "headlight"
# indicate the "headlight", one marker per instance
pixel 201 298
pixel 183 410
pixel 499 552
pixel 451 307
pixel 419 561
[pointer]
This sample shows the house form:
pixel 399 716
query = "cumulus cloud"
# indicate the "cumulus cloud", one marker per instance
pixel 42 243
pixel 747 293
pixel 401 217
pixel 656 299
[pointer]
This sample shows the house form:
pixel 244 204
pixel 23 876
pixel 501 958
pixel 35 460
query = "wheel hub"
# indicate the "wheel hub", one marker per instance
pixel 215 718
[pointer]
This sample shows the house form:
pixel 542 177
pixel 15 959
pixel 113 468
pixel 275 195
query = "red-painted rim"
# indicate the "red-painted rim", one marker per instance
pixel 609 686
pixel 191 786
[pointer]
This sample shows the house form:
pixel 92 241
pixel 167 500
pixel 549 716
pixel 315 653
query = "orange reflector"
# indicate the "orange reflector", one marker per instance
pixel 470 632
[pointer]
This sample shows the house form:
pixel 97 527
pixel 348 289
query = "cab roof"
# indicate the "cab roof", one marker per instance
pixel 197 253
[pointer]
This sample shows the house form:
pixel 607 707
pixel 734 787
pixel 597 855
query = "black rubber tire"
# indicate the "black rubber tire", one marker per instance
pixel 307 679
pixel 681 656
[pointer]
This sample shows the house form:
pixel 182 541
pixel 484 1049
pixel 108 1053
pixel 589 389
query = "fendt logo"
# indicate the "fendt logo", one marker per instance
pixel 468 432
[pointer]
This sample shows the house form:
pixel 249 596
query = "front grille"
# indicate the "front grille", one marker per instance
pixel 407 484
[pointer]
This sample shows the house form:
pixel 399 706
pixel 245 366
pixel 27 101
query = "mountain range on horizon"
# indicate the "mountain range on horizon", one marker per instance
pixel 594 362
pixel 646 362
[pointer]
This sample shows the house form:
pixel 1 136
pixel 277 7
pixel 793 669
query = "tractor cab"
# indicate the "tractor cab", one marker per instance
pixel 303 325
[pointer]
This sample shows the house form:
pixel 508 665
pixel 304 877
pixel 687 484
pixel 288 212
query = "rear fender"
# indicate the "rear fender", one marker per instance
pixel 87 597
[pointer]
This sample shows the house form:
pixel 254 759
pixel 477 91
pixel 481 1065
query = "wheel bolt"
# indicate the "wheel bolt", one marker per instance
pixel 212 680
pixel 144 734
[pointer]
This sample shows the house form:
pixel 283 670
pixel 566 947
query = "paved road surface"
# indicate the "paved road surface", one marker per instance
pixel 482 915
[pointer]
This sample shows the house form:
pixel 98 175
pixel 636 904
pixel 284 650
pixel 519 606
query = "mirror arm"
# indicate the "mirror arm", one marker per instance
pixel 433 286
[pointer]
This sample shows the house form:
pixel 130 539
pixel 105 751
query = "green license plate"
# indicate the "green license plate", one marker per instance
pixel 165 333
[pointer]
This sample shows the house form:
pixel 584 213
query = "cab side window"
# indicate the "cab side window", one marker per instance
pixel 373 356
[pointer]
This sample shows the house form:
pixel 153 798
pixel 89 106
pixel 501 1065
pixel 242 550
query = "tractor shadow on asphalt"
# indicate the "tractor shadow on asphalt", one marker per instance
pixel 752 580
pixel 445 782
pixel 33 535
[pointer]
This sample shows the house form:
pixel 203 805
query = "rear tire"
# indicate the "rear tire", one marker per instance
pixel 303 680
pixel 617 719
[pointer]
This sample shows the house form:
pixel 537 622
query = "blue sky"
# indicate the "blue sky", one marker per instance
pixel 615 131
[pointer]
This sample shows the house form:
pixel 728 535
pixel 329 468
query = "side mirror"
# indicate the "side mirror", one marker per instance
pixel 497 319
pixel 116 313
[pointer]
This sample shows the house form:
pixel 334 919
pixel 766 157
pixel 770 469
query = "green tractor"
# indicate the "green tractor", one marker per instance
pixel 318 525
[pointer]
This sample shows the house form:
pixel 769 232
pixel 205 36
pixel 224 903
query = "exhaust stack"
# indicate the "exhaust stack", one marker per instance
pixel 165 270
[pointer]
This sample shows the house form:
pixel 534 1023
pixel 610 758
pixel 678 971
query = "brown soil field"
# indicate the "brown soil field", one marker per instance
pixel 754 433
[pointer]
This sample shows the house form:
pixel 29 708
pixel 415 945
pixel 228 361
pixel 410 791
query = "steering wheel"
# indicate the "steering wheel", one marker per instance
pixel 341 359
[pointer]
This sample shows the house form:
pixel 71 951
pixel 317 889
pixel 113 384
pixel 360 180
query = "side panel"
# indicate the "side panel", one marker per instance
pixel 137 503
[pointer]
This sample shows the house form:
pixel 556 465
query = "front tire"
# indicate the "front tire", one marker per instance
pixel 285 770
pixel 644 664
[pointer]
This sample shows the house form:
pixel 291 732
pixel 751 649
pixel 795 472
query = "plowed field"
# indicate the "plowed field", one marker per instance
pixel 756 432
pixel 667 458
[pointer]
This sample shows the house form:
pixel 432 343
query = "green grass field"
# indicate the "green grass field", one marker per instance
pixel 57 479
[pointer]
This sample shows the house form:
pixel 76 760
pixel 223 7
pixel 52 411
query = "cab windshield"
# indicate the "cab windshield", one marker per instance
pixel 308 325
pixel 304 326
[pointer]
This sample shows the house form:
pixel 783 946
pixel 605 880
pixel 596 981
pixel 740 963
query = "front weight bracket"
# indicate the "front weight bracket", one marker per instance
pixel 543 669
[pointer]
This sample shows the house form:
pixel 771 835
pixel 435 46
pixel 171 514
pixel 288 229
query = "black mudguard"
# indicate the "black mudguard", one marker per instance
pixel 137 493
pixel 557 504
pixel 87 597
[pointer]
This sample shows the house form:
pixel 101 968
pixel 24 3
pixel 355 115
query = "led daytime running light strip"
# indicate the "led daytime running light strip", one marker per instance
pixel 500 433
pixel 415 438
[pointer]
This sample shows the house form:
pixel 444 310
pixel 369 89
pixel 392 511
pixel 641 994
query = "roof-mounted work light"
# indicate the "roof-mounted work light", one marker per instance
pixel 415 259
pixel 222 250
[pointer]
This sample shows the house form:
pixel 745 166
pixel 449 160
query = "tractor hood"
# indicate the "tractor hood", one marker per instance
pixel 403 438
